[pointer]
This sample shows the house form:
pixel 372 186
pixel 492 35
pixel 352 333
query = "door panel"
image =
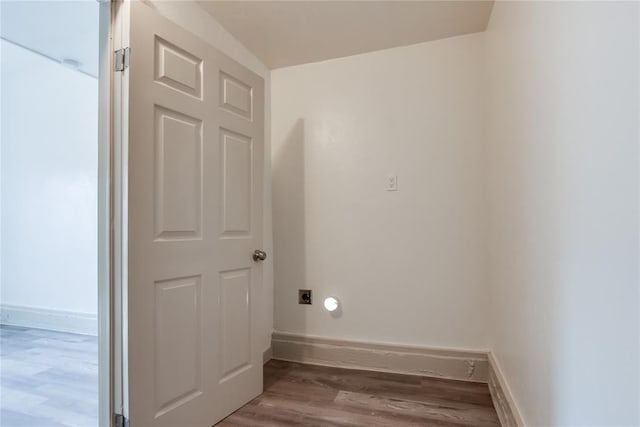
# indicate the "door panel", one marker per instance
pixel 237 163
pixel 235 321
pixel 196 126
pixel 178 68
pixel 236 96
pixel 178 370
pixel 178 175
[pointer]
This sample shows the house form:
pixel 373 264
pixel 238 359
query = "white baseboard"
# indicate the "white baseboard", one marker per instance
pixel 267 355
pixel 55 320
pixel 502 397
pixel 431 362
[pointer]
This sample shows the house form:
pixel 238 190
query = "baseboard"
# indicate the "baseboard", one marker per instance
pixel 432 362
pixel 502 398
pixel 267 355
pixel 55 320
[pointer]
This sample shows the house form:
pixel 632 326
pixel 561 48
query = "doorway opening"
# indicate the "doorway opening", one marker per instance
pixel 50 220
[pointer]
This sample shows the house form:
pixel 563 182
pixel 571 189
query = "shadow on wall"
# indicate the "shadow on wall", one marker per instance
pixel 288 174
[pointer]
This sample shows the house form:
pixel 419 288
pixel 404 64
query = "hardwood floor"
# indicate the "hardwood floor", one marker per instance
pixel 307 395
pixel 47 378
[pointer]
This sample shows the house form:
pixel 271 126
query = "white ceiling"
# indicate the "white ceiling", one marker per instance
pixel 56 29
pixel 285 33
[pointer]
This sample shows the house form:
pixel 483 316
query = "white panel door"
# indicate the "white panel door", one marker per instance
pixel 196 126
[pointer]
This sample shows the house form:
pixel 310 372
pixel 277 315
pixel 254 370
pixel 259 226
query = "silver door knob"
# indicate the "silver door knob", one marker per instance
pixel 259 255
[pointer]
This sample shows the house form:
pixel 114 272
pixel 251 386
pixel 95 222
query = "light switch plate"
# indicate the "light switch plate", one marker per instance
pixel 392 183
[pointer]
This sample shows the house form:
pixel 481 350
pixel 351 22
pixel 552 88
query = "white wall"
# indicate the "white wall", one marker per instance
pixel 191 16
pixel 49 184
pixel 562 132
pixel 408 266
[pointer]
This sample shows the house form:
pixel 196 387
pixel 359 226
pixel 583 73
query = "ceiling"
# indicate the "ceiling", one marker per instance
pixel 60 30
pixel 285 33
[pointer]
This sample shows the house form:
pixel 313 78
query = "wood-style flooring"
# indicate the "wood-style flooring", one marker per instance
pixel 47 378
pixel 307 395
pixel 50 379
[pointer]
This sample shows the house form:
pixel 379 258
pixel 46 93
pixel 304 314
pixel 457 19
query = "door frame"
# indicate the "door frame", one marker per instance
pixel 112 214
pixel 118 91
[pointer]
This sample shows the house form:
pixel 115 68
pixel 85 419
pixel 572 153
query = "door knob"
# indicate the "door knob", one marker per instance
pixel 259 255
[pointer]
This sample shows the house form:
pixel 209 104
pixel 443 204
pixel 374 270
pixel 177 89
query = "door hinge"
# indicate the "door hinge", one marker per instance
pixel 122 59
pixel 121 421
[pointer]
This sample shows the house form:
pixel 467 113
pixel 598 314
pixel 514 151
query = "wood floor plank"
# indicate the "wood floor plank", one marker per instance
pixel 460 391
pixel 308 395
pixel 477 416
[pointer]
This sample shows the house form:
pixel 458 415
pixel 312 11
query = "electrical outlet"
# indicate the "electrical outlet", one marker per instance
pixel 304 296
